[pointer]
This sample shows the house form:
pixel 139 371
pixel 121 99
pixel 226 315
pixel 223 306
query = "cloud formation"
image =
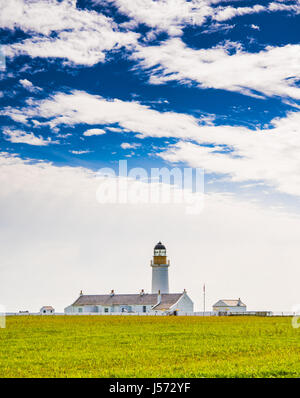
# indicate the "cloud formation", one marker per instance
pixel 22 137
pixel 127 145
pixel 269 72
pixel 238 152
pixel 90 132
pixel 172 16
pixel 27 84
pixel 60 30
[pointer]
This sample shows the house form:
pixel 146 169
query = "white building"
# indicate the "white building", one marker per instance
pixel 160 301
pixel 229 306
pixel 47 310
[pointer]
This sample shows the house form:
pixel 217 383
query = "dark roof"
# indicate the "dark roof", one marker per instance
pixel 160 246
pixel 127 299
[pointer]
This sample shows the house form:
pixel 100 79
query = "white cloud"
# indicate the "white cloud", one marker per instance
pixel 115 129
pixel 79 152
pixel 17 136
pixel 238 152
pixel 127 145
pixel 91 132
pixel 81 107
pixel 275 6
pixel 29 86
pixel 229 12
pixel 26 83
pixel 173 15
pixel 270 155
pixel 67 242
pixel 82 37
pixel 272 71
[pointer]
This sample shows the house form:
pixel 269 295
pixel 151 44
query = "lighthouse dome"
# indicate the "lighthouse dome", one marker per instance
pixel 159 246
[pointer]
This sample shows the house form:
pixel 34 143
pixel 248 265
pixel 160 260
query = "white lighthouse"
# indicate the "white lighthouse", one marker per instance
pixel 160 301
pixel 160 270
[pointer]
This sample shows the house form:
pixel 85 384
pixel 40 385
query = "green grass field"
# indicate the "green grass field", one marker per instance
pixel 130 346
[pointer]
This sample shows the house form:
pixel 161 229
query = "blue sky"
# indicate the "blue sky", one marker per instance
pixel 145 65
pixel 201 83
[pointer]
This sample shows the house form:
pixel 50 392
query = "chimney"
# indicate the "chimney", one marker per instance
pixel 239 302
pixel 80 294
pixel 112 293
pixel 158 297
pixel 184 291
pixel 142 292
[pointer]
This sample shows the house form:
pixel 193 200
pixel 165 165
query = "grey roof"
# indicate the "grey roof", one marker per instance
pixel 167 300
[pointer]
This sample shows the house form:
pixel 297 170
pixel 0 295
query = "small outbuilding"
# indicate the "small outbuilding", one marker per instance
pixel 47 310
pixel 229 306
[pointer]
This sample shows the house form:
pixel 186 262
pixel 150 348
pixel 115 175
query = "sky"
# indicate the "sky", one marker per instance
pixel 206 84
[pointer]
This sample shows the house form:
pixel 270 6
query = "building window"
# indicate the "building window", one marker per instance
pixel 105 309
pixel 144 308
pixel 79 309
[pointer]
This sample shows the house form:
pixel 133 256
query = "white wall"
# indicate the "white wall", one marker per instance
pixel 185 304
pixel 160 279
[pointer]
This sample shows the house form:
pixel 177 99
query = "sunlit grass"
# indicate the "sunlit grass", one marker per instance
pixel 131 346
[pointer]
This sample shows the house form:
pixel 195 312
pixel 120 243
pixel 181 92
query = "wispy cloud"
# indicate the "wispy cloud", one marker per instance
pixel 80 152
pixel 237 151
pixel 27 84
pixel 172 16
pixel 18 136
pixel 272 71
pixel 91 132
pixel 127 145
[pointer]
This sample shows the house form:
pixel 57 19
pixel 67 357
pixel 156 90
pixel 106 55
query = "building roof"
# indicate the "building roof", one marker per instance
pixel 47 307
pixel 160 246
pixel 229 303
pixel 167 300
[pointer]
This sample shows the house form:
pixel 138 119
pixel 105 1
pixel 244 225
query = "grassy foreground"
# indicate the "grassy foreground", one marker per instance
pixel 130 346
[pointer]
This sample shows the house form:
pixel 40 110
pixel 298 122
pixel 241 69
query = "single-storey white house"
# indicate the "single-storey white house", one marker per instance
pixel 230 306
pixel 159 301
pixel 170 303
pixel 47 310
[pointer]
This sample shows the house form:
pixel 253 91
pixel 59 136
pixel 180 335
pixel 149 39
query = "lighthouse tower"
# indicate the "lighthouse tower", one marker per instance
pixel 160 269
